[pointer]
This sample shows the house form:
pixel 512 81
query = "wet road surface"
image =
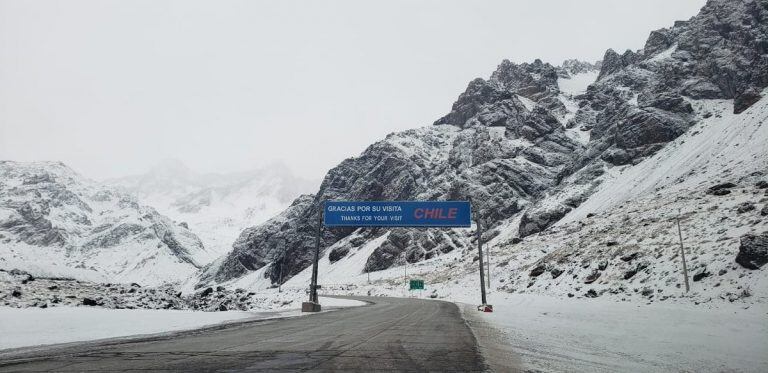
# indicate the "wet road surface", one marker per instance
pixel 391 334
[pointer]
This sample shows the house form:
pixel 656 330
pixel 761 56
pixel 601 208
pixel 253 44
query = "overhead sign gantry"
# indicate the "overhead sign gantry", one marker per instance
pixel 398 214
pixel 425 214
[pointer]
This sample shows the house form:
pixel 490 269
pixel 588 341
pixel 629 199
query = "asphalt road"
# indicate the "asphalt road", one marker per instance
pixel 390 335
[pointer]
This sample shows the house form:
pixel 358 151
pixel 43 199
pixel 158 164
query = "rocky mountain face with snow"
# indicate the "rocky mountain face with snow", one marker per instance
pixel 217 207
pixel 533 144
pixel 55 223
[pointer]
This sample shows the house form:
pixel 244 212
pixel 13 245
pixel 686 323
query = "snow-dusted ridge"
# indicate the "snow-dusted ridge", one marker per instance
pixel 55 223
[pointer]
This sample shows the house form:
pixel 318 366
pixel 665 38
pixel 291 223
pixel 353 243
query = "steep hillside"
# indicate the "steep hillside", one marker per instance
pixel 532 144
pixel 622 243
pixel 55 223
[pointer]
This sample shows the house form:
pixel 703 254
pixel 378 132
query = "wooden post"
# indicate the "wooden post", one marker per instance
pixel 682 253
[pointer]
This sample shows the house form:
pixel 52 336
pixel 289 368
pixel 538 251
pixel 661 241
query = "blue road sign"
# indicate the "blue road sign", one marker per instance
pixel 397 214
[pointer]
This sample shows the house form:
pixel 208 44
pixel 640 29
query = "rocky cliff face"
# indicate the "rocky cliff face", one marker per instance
pixel 524 148
pixel 55 223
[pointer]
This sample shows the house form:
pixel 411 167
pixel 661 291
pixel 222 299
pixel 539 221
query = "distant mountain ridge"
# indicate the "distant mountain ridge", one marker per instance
pixel 216 206
pixel 54 222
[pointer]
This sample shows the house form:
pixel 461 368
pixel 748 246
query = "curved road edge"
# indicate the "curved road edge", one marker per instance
pixel 92 344
pixel 495 349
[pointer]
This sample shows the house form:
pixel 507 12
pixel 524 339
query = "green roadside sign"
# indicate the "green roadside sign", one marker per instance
pixel 417 284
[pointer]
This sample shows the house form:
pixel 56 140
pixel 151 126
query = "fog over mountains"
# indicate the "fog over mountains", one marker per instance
pixel 56 223
pixel 217 207
pixel 151 229
pixel 579 171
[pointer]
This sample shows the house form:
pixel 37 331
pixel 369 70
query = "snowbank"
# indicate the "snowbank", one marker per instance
pixel 33 326
pixel 21 327
pixel 550 334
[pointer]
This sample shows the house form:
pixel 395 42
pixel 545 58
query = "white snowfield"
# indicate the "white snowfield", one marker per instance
pixel 22 327
pixel 598 335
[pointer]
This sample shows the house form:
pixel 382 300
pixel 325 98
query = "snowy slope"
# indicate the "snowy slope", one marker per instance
pixel 721 146
pixel 55 223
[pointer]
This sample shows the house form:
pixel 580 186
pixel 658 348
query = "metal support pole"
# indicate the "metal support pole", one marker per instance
pixel 488 266
pixel 313 286
pixel 682 253
pixel 480 257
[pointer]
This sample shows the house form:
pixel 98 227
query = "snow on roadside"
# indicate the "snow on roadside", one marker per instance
pixel 536 332
pixel 22 327
pixel 599 335
pixel 33 326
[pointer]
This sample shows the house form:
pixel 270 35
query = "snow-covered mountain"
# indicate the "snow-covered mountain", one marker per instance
pixel 55 223
pixel 217 207
pixel 578 170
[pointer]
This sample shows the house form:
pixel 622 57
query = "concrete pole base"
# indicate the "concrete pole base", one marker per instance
pixel 485 308
pixel 310 307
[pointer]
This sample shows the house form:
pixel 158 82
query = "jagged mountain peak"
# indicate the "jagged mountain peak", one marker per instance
pixel 573 67
pixel 719 53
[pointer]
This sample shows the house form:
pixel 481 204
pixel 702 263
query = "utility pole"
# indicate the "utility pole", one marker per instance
pixel 282 263
pixel 313 305
pixel 488 266
pixel 405 275
pixel 480 258
pixel 682 253
pixel 313 290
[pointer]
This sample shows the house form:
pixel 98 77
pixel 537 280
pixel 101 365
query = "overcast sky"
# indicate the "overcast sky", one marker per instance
pixel 112 87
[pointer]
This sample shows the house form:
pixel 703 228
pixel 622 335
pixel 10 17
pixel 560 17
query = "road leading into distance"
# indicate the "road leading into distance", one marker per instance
pixel 389 335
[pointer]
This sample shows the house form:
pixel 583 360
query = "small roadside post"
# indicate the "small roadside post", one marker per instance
pixel 282 262
pixel 682 253
pixel 280 279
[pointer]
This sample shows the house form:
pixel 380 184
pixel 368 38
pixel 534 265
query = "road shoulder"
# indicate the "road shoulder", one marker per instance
pixel 497 353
